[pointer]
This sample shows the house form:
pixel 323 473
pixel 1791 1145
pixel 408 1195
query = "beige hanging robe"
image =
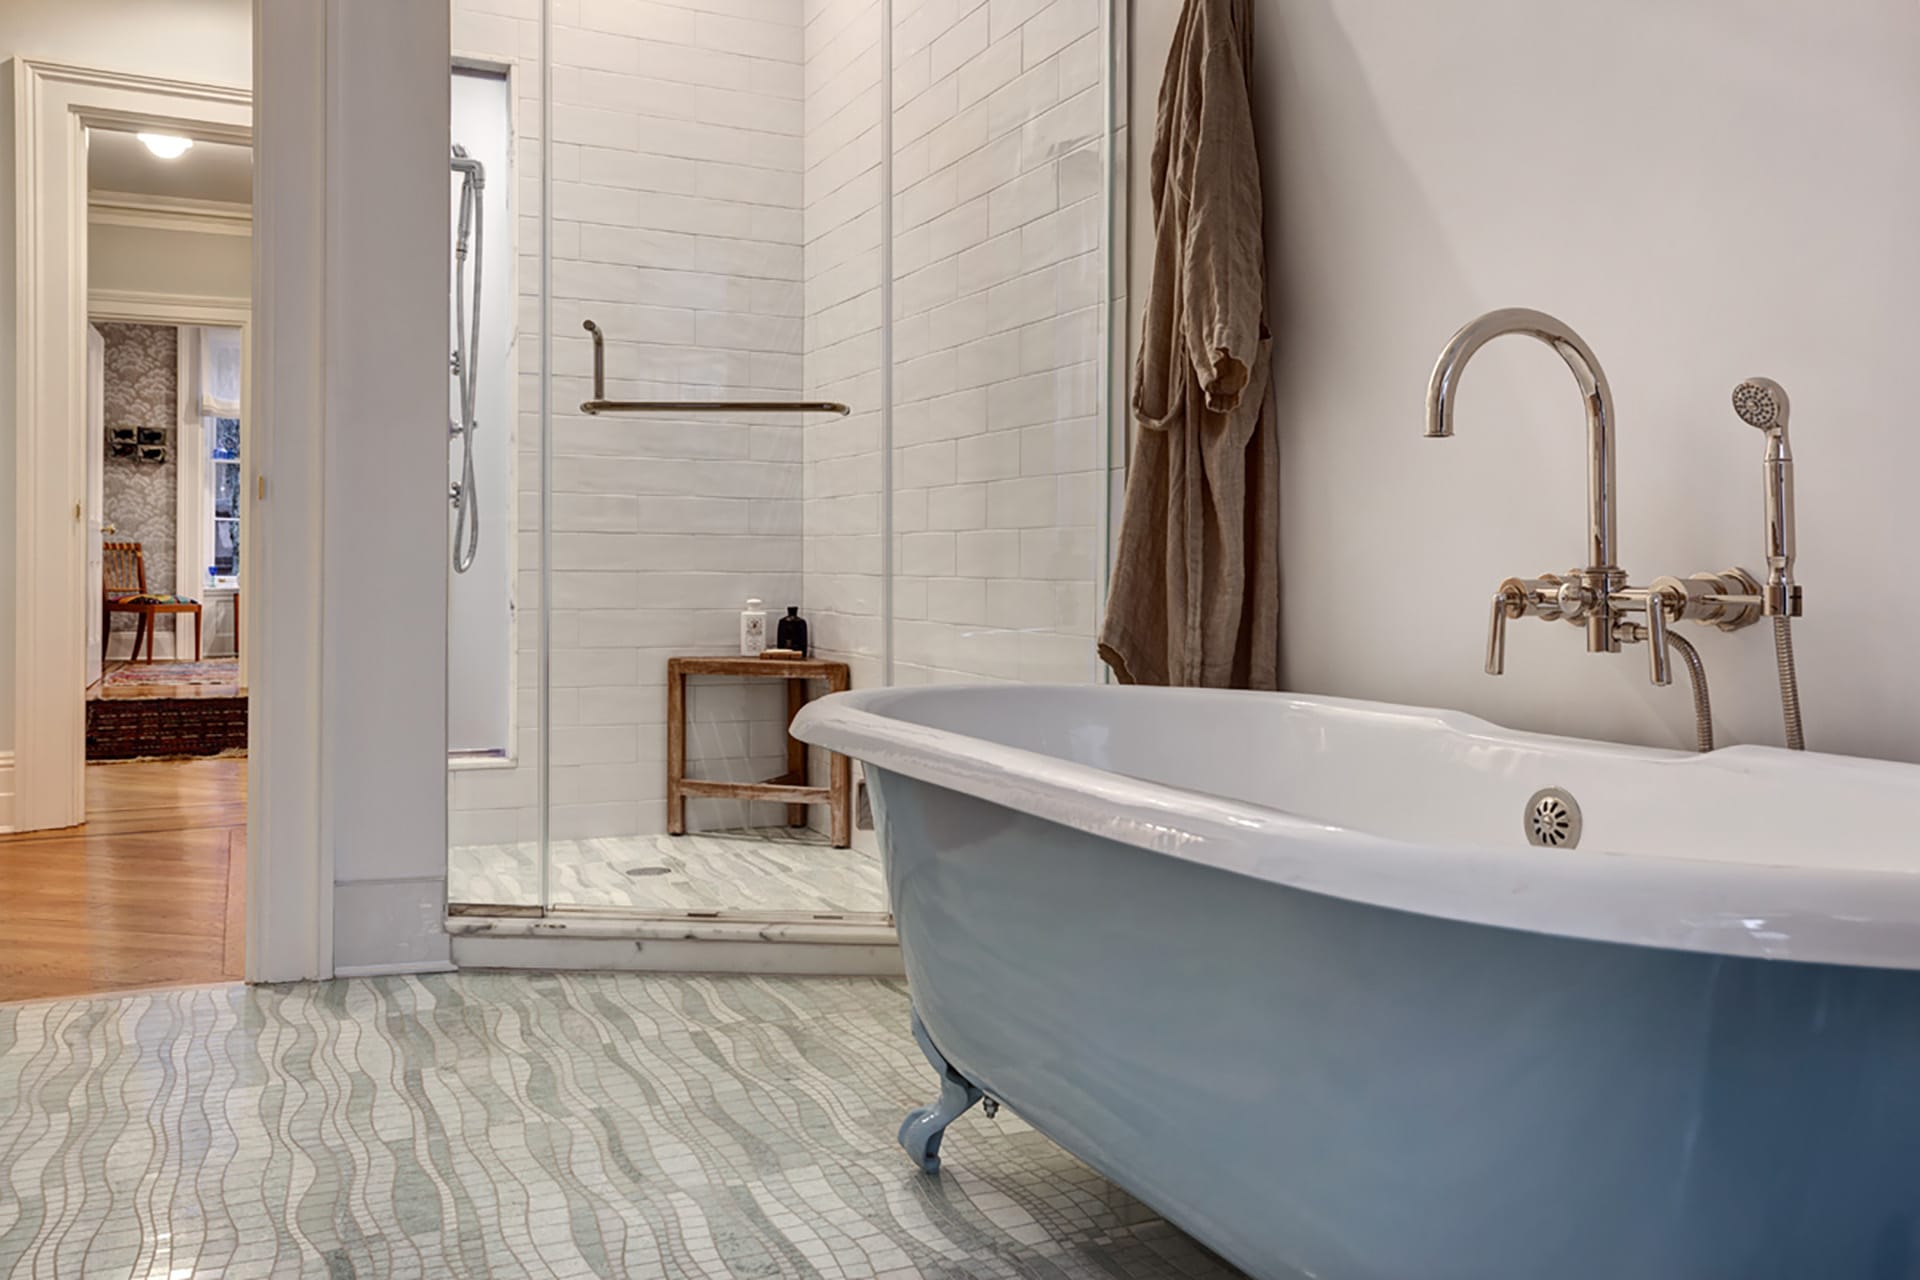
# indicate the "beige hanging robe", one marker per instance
pixel 1195 598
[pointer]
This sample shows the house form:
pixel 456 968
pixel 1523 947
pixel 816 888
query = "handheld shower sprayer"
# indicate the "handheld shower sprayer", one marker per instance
pixel 1762 403
pixel 466 354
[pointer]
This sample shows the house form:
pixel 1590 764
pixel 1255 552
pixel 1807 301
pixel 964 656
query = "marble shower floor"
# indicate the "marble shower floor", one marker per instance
pixel 482 1125
pixel 762 869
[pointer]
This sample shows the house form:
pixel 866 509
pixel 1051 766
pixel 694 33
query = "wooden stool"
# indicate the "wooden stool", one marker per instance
pixel 790 786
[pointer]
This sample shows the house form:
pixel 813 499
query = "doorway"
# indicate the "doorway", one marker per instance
pixel 169 279
pixel 128 862
pixel 165 457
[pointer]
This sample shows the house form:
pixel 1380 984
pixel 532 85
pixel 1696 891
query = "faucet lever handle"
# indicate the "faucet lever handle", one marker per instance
pixel 1660 668
pixel 1508 602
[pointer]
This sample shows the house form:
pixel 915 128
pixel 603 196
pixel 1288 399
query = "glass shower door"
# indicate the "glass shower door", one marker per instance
pixel 688 143
pixel 901 207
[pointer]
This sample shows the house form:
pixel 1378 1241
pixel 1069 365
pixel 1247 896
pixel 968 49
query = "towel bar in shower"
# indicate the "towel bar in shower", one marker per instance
pixel 600 403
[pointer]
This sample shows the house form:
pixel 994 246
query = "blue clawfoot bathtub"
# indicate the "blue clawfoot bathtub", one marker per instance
pixel 1290 970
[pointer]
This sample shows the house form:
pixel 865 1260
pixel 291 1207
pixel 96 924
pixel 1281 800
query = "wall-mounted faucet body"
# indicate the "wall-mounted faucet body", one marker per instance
pixel 1598 595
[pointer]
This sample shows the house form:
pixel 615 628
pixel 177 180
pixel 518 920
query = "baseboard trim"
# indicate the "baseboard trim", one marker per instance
pixel 6 791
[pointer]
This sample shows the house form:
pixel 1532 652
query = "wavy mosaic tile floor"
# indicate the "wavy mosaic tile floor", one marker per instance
pixel 480 1125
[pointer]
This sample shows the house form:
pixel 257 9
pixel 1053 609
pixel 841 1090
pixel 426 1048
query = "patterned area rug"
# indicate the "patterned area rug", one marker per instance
pixel 164 728
pixel 213 671
pixel 480 1125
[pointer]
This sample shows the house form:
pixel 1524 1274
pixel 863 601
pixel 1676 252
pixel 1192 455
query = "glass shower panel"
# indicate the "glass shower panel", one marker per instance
pixel 495 598
pixel 684 220
pixel 901 207
pixel 1000 285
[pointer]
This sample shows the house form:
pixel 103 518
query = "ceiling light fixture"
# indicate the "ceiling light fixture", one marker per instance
pixel 167 146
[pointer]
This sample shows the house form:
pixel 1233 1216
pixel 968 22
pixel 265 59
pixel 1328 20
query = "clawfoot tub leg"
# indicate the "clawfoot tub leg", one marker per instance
pixel 923 1128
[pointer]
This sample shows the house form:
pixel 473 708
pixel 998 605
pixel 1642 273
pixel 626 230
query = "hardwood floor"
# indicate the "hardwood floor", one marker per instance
pixel 149 892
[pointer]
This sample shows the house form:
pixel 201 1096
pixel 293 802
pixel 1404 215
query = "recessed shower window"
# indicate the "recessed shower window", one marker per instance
pixel 481 419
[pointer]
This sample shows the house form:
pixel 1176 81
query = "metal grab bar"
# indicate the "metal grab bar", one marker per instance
pixel 600 403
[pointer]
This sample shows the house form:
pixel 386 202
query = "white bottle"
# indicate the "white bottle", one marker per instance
pixel 753 629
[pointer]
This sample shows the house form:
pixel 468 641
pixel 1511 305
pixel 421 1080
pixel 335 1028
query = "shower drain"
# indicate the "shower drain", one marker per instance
pixel 1552 819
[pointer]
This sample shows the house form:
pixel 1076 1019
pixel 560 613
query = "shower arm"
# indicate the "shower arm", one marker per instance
pixel 600 404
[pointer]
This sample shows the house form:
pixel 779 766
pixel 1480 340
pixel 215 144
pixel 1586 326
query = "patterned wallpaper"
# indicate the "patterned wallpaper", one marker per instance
pixel 142 385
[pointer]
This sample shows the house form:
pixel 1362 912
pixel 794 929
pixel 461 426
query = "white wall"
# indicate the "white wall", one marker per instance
pixel 1706 192
pixel 200 40
pixel 384 558
pixel 151 260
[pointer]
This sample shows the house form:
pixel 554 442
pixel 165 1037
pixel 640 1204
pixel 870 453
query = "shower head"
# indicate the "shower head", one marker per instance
pixel 467 167
pixel 473 179
pixel 1762 403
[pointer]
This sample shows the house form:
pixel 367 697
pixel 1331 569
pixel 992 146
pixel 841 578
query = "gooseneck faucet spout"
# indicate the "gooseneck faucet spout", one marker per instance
pixel 1602 577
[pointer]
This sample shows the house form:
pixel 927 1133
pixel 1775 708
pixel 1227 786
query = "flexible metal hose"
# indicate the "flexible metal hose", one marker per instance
pixel 1789 680
pixel 1702 704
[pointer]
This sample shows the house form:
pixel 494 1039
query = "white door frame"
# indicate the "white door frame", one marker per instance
pixel 289 880
pixel 290 893
pixel 129 306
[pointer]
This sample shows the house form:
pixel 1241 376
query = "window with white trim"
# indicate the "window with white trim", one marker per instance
pixel 222 503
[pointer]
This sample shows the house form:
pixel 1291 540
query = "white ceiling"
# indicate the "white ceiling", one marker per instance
pixel 210 171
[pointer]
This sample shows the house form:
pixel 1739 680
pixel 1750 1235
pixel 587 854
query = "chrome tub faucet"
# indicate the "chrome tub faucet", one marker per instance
pixel 1602 579
pixel 1598 596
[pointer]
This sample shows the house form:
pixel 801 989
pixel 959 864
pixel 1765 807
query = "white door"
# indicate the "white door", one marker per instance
pixel 96 498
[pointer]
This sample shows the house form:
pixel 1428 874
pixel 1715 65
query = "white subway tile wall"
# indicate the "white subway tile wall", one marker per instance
pixel 999 273
pixel 718 188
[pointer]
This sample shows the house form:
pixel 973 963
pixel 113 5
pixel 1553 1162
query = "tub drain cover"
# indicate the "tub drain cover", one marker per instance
pixel 1552 819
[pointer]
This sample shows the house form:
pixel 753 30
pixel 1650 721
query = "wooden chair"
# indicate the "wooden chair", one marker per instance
pixel 125 580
